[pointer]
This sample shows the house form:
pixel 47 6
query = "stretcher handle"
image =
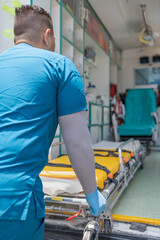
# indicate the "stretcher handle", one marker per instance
pixel 74 216
pixel 120 152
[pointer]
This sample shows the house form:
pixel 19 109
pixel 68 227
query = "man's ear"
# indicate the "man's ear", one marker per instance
pixel 46 36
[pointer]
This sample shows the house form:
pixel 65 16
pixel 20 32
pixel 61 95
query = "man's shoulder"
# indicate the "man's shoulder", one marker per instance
pixel 26 50
pixel 50 55
pixel 56 57
pixel 60 60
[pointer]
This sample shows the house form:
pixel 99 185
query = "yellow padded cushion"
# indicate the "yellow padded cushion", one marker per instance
pixel 111 163
pixel 59 172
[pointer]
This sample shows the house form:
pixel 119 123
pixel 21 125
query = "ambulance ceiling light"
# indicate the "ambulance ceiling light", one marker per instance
pixel 146 36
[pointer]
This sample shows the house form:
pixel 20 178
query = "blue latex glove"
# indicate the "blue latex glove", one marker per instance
pixel 97 202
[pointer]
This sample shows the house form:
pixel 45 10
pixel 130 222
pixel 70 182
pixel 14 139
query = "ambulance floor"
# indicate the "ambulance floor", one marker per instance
pixel 142 196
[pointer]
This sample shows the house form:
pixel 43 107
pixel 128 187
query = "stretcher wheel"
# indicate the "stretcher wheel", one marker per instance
pixel 107 226
pixel 91 231
pixel 148 148
pixel 142 164
pixel 89 235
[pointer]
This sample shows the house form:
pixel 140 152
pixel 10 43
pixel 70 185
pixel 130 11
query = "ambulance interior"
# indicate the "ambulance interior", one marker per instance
pixel 115 45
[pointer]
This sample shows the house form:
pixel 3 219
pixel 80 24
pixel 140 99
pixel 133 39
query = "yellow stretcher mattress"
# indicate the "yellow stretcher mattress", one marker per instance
pixel 103 157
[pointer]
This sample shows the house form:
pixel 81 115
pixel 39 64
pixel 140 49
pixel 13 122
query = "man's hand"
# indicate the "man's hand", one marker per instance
pixel 97 202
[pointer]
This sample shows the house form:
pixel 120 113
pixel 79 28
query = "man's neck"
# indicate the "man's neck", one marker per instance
pixel 22 41
pixel 36 45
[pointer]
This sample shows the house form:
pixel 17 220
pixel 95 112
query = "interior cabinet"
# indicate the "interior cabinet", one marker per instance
pixel 67 49
pixel 67 25
pixel 78 37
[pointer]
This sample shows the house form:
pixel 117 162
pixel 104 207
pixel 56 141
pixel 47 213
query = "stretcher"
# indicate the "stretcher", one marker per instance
pixel 66 206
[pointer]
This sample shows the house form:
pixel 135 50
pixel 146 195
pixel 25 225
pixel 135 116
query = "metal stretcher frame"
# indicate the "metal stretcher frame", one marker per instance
pixel 59 208
pixel 145 140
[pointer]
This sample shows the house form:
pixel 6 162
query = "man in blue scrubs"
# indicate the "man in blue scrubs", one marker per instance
pixel 38 90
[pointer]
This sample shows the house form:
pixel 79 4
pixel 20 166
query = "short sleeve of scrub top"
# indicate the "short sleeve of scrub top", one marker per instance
pixel 70 93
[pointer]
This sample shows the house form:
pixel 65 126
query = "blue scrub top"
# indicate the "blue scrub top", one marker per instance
pixel 36 86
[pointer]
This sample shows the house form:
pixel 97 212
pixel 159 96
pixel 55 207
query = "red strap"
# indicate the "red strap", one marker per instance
pixel 72 217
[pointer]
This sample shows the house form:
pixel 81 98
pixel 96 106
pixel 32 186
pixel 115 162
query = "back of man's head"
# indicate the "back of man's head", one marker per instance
pixel 30 22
